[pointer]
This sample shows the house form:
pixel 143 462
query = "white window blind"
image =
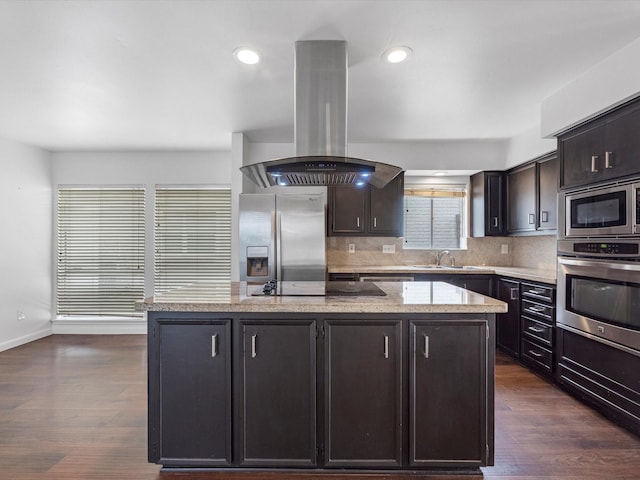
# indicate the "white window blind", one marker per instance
pixel 100 251
pixel 434 216
pixel 192 237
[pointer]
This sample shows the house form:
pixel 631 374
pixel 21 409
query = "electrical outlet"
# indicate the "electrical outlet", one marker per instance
pixel 21 315
pixel 504 248
pixel 388 249
pixel 352 248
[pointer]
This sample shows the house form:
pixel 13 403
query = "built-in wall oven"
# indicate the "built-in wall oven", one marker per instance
pixel 599 290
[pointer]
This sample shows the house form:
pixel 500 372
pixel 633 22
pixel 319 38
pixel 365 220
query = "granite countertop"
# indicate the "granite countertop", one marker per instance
pixel 523 273
pixel 401 297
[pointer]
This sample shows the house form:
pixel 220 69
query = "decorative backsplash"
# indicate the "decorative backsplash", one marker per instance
pixel 535 252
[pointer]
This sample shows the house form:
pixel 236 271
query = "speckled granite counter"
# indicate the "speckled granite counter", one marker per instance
pixel 523 273
pixel 401 297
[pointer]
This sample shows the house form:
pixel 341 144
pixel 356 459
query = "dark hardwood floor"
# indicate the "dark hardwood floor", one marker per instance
pixel 74 407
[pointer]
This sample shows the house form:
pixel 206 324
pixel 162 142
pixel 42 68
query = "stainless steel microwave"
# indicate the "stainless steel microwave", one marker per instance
pixel 607 211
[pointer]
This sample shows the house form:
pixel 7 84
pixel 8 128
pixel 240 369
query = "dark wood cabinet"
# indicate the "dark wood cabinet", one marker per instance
pixel 446 420
pixel 602 376
pixel 363 395
pixel 260 391
pixel 532 192
pixel 482 284
pixel 488 209
pixel 347 210
pixel 538 320
pixel 508 324
pixel 366 211
pixel 194 401
pixel 547 193
pixel 277 424
pixel 603 149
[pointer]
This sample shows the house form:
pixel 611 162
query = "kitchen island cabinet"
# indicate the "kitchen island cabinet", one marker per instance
pixel 323 383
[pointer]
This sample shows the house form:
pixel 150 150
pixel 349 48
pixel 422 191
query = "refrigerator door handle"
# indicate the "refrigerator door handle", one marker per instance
pixel 278 240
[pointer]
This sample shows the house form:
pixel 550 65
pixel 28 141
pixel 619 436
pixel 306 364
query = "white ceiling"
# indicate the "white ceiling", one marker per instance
pixel 161 75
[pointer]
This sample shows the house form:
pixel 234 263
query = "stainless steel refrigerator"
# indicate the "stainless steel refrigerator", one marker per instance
pixel 282 239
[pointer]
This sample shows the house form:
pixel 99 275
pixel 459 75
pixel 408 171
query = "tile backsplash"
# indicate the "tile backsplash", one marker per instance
pixel 535 252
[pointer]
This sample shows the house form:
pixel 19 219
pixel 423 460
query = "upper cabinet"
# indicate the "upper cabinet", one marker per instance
pixel 603 149
pixel 367 211
pixel 488 212
pixel 532 192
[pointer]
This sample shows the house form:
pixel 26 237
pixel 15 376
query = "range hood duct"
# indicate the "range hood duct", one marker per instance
pixel 321 127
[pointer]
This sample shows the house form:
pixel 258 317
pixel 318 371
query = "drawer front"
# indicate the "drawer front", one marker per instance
pixel 538 292
pixel 539 311
pixel 537 331
pixel 537 355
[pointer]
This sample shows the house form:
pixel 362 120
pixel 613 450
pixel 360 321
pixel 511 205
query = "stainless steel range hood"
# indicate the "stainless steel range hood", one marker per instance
pixel 321 127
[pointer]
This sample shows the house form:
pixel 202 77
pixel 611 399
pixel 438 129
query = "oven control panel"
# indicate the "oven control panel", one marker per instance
pixel 621 249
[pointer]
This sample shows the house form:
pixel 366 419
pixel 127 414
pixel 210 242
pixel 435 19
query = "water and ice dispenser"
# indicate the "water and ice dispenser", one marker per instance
pixel 257 262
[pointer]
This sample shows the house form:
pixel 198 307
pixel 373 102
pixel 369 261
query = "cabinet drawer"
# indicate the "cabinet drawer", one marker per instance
pixel 536 355
pixel 538 292
pixel 541 312
pixel 537 330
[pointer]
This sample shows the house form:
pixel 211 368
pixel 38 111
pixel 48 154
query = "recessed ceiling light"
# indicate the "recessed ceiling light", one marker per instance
pixel 439 174
pixel 397 54
pixel 246 55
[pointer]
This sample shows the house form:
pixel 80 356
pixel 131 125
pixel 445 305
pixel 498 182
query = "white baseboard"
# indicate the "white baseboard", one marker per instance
pixel 99 327
pixel 16 342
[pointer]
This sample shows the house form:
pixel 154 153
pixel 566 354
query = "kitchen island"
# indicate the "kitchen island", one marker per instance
pixel 399 381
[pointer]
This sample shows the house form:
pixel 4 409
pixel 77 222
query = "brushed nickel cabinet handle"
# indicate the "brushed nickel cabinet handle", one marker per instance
pixel 358 222
pixel 514 294
pixel 544 216
pixel 426 346
pixel 532 218
pixel 607 160
pixel 495 221
pixel 535 354
pixel 536 329
pixel 594 166
pixel 375 222
pixel 254 342
pixel 214 345
pixel 386 346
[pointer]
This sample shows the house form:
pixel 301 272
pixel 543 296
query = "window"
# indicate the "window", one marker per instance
pixel 434 217
pixel 100 251
pixel 192 236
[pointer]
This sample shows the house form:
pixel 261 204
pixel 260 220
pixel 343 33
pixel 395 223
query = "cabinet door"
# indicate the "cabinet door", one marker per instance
pixel 577 150
pixel 195 394
pixel 548 194
pixel 448 389
pixel 487 204
pixel 278 398
pixel 621 153
pixel 521 192
pixel 347 210
pixel 508 324
pixel 386 214
pixel 363 394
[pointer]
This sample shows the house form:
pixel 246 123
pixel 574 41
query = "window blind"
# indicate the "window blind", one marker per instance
pixel 100 251
pixel 192 237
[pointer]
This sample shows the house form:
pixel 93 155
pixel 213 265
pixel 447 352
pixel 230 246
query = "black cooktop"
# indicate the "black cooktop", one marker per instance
pixel 353 289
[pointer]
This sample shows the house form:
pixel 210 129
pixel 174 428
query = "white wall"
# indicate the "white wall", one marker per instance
pixel 609 83
pixel 25 243
pixel 527 146
pixel 148 169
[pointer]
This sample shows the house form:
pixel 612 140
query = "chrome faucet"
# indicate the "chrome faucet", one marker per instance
pixel 441 254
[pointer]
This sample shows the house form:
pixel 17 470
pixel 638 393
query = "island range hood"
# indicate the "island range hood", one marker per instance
pixel 321 127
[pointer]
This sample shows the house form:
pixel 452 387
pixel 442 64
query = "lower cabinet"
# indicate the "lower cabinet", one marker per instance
pixel 447 420
pixel 508 324
pixel 192 407
pixel 277 421
pixel 602 376
pixel 396 392
pixel 363 393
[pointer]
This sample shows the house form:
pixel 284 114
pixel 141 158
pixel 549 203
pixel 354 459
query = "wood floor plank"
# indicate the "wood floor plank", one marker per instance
pixel 73 407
